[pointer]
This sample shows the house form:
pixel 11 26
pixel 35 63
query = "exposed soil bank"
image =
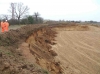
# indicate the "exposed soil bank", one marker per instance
pixel 28 50
pixel 32 44
pixel 40 46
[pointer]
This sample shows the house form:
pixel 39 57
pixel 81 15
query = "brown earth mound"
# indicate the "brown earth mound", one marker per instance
pixel 15 37
pixel 21 49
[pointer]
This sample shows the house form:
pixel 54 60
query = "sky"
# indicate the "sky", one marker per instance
pixel 84 10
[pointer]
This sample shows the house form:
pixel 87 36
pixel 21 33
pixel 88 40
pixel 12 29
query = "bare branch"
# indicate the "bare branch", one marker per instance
pixel 4 16
pixel 25 10
pixel 19 10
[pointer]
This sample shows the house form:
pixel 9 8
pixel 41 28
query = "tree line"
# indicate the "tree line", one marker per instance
pixel 19 15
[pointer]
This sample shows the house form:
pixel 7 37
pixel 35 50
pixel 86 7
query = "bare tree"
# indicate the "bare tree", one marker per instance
pixel 13 10
pixel 36 14
pixel 18 10
pixel 4 17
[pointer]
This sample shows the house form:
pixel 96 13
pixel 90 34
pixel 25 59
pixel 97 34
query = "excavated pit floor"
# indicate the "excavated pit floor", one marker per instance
pixel 78 51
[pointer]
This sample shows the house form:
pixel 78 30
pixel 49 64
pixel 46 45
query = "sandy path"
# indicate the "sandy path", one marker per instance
pixel 79 51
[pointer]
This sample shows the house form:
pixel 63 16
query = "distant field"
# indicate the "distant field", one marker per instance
pixel 15 26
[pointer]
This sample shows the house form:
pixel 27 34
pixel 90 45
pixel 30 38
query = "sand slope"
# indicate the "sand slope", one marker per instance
pixel 79 51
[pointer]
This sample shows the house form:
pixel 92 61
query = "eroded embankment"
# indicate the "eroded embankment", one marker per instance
pixel 28 43
pixel 40 46
pixel 20 49
pixel 15 37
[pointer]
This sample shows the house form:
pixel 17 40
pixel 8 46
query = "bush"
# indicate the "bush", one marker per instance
pixel 13 21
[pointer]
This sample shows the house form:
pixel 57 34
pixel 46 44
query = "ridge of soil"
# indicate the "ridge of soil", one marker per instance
pixel 25 47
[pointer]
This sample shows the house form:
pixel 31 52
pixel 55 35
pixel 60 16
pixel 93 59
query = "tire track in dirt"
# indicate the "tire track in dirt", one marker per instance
pixel 86 49
pixel 79 51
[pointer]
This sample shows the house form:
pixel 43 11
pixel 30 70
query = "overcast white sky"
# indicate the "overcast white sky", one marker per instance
pixel 59 9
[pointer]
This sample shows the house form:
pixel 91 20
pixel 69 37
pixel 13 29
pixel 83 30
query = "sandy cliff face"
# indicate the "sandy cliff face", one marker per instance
pixel 40 47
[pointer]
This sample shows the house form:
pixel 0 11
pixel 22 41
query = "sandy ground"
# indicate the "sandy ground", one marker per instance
pixel 79 51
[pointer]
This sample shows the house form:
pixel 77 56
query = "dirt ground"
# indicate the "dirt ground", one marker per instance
pixel 78 51
pixel 27 46
pixel 52 49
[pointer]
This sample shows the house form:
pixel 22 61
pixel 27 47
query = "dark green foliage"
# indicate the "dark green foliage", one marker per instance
pixel 24 21
pixel 30 20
